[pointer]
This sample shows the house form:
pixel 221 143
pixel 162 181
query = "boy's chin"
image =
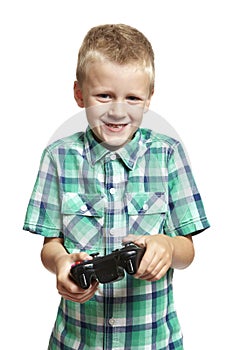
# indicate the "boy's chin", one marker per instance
pixel 115 144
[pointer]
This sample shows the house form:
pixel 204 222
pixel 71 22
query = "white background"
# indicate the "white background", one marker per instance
pixel 192 41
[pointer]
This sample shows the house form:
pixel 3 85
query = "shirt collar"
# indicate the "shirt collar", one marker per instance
pixel 132 150
pixel 129 153
pixel 94 150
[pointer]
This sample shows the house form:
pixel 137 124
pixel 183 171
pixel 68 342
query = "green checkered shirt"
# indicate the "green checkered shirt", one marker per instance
pixel 93 198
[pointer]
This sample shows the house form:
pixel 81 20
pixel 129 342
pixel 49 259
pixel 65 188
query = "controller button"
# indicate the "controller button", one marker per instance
pixel 94 255
pixel 127 244
pixel 130 268
pixel 83 280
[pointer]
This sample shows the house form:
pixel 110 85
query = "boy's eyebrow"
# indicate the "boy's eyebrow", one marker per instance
pixel 104 90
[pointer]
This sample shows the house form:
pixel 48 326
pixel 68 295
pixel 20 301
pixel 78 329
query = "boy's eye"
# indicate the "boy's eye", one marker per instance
pixel 133 98
pixel 104 96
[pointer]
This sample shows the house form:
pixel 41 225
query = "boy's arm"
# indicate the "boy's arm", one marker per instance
pixel 56 259
pixel 163 252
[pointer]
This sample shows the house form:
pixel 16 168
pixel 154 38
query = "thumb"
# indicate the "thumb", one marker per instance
pixel 80 256
pixel 138 240
pixel 129 238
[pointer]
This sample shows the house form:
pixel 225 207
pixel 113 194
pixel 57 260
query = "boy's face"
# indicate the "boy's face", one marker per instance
pixel 115 97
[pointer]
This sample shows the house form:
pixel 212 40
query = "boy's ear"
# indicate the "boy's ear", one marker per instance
pixel 78 94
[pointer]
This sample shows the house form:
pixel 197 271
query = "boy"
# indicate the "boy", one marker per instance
pixel 116 182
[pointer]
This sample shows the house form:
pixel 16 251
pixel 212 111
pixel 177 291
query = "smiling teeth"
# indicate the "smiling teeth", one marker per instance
pixel 117 126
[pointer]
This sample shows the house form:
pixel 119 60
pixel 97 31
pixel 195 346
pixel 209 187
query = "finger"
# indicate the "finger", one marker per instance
pixel 131 238
pixel 73 288
pixel 149 260
pixel 140 241
pixel 82 295
pixel 79 299
pixel 157 273
pixel 80 256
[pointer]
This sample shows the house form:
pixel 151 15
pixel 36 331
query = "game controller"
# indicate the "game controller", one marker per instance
pixel 108 268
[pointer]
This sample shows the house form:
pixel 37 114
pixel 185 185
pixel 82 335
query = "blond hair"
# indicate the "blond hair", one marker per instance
pixel 118 43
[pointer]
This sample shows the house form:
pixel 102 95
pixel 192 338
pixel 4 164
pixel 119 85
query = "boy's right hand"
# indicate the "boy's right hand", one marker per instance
pixel 65 286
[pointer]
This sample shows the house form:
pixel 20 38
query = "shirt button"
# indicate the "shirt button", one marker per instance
pixel 112 156
pixel 101 177
pixel 112 190
pixel 112 321
pixel 83 207
pixel 112 231
pixel 145 206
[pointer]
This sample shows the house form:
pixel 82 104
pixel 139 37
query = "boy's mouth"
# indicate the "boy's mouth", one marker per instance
pixel 115 127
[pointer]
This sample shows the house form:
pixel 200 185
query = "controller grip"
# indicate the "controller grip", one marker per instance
pixel 83 282
pixel 80 275
pixel 132 262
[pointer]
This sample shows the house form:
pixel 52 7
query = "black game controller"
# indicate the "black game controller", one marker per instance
pixel 109 268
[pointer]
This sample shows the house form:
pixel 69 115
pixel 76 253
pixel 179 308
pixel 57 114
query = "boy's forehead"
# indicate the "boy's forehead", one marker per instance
pixel 101 69
pixel 109 66
pixel 109 74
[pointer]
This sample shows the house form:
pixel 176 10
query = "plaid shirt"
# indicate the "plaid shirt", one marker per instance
pixel 93 197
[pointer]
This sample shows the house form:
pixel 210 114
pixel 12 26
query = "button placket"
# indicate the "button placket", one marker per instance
pixel 111 190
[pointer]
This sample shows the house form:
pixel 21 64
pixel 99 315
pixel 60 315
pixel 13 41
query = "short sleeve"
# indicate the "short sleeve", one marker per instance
pixel 43 212
pixel 186 214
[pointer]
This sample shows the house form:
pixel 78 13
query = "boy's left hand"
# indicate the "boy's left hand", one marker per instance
pixel 157 258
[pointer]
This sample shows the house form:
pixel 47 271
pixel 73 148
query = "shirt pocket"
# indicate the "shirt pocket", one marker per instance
pixel 83 215
pixel 146 212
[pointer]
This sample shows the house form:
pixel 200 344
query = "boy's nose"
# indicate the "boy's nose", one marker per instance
pixel 118 110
